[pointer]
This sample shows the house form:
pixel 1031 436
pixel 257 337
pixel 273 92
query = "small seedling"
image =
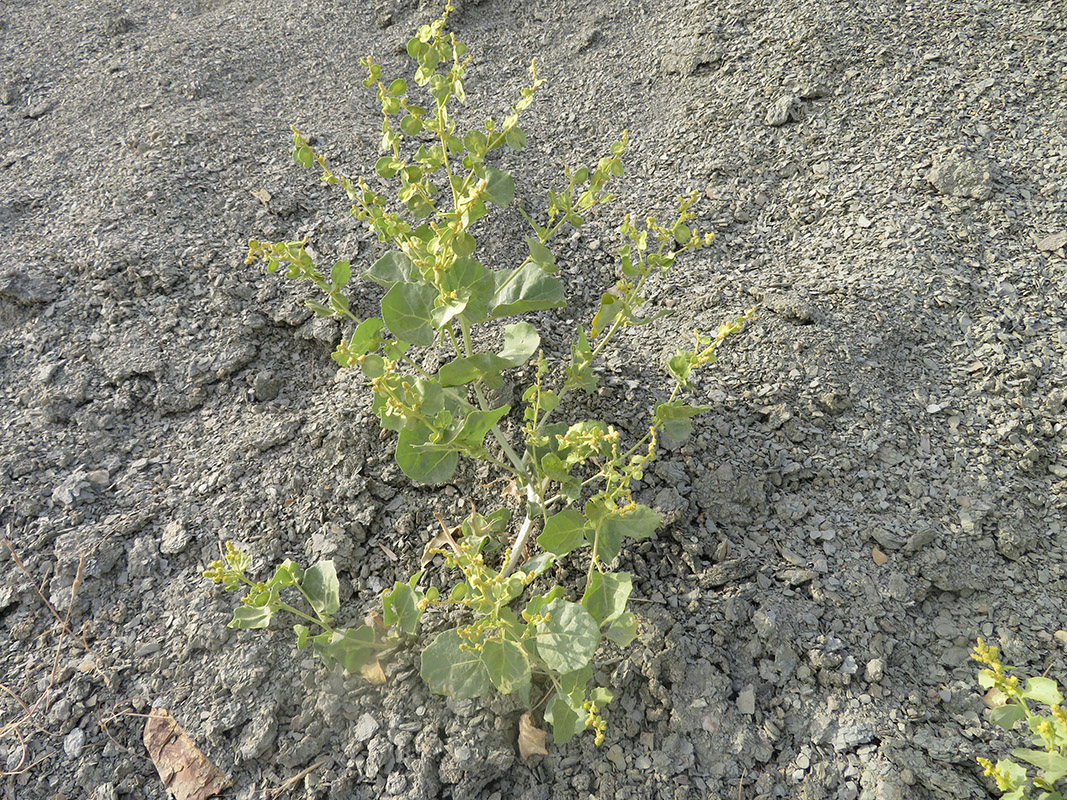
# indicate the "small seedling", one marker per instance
pixel 576 475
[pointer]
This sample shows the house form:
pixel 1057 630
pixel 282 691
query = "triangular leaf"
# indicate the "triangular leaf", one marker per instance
pixel 563 532
pixel 422 461
pixel 322 588
pixel 527 288
pixel 448 670
pixel 392 268
pixel 1007 716
pixel 606 595
pixel 569 637
pixel 507 665
pixel 1043 690
pixel 407 309
pixel 623 630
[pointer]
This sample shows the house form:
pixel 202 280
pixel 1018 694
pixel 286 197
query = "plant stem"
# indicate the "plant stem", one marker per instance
pixel 524 533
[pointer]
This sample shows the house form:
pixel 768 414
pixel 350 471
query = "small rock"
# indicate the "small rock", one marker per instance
pixel 959 176
pixel 73 742
pixel 175 538
pixel 37 111
pixel 365 728
pixel 784 109
pixel 615 756
pixel 875 670
pixel 746 700
pixel 265 386
pixel 1056 241
pixel 642 762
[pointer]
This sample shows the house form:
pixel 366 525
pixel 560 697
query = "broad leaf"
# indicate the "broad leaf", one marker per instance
pixel 606 595
pixel 477 425
pixel 365 337
pixel 675 419
pixel 400 608
pixel 352 649
pixel 568 639
pixel 563 719
pixel 541 255
pixel 563 532
pixel 392 268
pixel 639 523
pixel 1043 690
pixel 250 617
pixel 611 305
pixel 527 288
pixel 507 665
pixel 500 185
pixel 1007 716
pixel 468 277
pixel 450 671
pixel 340 274
pixel 423 461
pixel 407 309
pixel 322 588
pixel 623 630
pixel 1053 765
pixel 537 565
pixel 580 371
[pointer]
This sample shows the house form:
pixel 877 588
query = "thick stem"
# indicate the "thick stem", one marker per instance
pixel 524 534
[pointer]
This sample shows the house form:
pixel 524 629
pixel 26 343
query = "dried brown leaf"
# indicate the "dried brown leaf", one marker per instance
pixel 531 738
pixel 185 771
pixel 262 195
pixel 373 672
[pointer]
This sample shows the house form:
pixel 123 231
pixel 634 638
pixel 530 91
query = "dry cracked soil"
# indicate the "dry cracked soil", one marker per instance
pixel 882 477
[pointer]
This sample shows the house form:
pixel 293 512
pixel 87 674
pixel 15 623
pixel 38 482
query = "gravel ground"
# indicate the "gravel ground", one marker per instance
pixel 882 479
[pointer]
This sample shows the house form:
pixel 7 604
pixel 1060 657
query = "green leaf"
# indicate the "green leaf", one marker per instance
pixel 387 167
pixel 476 425
pixel 365 337
pixel 340 274
pixel 500 186
pixel 392 268
pixel 515 138
pixel 452 308
pixel 611 305
pixel 541 255
pixel 606 595
pixel 536 603
pixel 537 565
pixel 527 288
pixel 468 277
pixel 423 461
pixel 507 664
pixel 1007 715
pixel 569 638
pixel 250 617
pixel 352 649
pixel 407 310
pixel 464 244
pixel 303 156
pixel 397 88
pixel 675 419
pixel 580 371
pixel 521 341
pixel 1053 765
pixel 639 523
pixel 563 532
pixel 1043 690
pixel 410 125
pixel 400 608
pixel 322 588
pixel 623 630
pixel 302 632
pixel 319 309
pixel 563 718
pixel 450 671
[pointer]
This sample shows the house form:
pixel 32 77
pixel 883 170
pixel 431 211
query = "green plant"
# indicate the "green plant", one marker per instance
pixel 1049 731
pixel 575 477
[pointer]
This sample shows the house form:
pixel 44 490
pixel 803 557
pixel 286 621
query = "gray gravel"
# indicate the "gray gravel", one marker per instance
pixel 882 479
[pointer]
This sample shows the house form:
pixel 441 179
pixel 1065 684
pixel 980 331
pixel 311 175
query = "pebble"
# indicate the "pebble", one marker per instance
pixel 73 742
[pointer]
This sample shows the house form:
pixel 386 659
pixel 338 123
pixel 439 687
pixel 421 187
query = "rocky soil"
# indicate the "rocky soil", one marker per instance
pixel 882 480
